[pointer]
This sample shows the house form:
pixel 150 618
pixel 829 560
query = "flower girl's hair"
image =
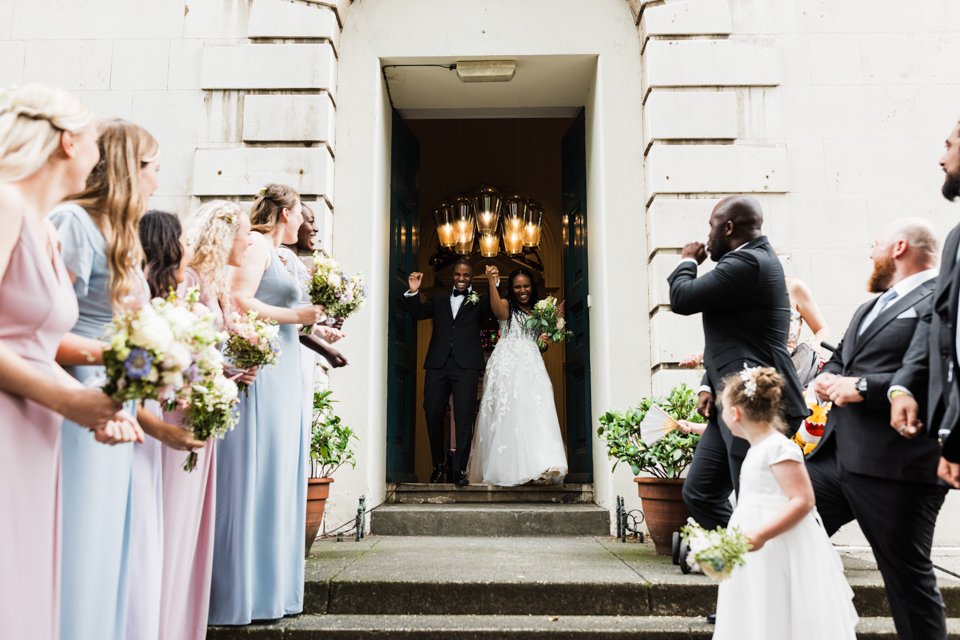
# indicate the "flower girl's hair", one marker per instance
pixel 755 391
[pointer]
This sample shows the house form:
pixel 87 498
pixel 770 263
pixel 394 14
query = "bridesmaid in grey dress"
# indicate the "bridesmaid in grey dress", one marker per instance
pixel 262 464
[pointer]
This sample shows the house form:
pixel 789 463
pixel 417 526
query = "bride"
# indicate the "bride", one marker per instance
pixel 517 438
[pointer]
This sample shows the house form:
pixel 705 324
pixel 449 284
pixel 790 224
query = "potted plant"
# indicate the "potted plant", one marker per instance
pixel 331 446
pixel 665 459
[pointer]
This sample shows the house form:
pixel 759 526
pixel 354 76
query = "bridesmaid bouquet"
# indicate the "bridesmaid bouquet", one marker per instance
pixel 546 318
pixel 210 411
pixel 338 293
pixel 716 552
pixel 252 342
pixel 156 350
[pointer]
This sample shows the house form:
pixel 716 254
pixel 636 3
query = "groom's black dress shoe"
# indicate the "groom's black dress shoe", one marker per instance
pixel 712 618
pixel 438 474
pixel 460 479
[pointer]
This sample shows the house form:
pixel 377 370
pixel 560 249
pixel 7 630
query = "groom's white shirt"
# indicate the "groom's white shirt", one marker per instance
pixel 455 301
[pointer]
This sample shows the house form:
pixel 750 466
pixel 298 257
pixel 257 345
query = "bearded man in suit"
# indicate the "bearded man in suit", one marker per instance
pixel 864 470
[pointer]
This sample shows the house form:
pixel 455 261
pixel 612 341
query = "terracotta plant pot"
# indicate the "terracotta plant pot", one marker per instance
pixel 663 510
pixel 318 490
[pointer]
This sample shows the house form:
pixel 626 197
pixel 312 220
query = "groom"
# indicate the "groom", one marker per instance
pixel 453 364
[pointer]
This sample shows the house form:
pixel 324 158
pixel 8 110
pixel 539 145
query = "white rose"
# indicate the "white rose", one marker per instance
pixel 152 332
pixel 177 357
pixel 561 323
pixel 173 379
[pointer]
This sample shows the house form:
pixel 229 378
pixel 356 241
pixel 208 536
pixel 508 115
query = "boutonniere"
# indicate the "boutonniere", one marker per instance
pixel 473 298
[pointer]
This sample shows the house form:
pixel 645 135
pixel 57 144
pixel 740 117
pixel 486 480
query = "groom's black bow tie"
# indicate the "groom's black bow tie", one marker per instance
pixel 461 293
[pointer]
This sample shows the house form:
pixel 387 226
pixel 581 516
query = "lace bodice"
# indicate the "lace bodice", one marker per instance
pixel 515 328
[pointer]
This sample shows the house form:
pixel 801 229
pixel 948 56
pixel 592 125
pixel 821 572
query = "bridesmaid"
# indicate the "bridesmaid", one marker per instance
pixel 97 230
pixel 47 148
pixel 261 464
pixel 165 261
pixel 219 235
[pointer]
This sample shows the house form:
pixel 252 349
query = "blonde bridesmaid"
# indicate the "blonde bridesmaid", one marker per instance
pixel 48 146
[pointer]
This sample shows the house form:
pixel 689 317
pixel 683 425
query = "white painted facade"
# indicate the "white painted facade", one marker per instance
pixel 833 112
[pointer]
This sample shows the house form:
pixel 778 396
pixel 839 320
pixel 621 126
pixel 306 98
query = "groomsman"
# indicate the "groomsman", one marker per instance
pixel 453 364
pixel 931 364
pixel 866 471
pixel 746 316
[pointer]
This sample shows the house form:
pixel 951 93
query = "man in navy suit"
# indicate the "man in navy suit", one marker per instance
pixel 453 364
pixel 864 470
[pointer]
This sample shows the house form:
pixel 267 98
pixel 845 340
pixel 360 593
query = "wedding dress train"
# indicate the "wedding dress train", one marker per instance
pixel 517 436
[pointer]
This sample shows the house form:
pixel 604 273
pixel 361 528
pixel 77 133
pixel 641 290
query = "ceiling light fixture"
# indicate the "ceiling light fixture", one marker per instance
pixel 486 70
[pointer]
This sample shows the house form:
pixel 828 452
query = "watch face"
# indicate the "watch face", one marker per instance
pixel 861 384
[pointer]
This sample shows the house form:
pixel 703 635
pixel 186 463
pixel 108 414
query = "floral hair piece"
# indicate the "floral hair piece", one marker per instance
pixel 749 377
pixel 262 192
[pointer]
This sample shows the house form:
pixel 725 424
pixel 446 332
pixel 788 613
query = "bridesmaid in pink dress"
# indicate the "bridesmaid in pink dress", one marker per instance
pixel 219 238
pixel 47 149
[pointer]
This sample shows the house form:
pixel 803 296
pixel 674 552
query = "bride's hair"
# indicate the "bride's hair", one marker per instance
pixel 534 290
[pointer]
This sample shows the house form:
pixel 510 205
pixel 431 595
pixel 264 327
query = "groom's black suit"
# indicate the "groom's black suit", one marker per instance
pixel 746 316
pixel 453 365
pixel 864 469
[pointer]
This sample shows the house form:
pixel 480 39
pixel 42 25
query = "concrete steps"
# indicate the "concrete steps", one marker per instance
pixel 416 493
pixel 360 627
pixel 497 520
pixel 524 587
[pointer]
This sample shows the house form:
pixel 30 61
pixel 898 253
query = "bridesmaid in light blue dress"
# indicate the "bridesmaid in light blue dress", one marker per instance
pixel 98 480
pixel 258 556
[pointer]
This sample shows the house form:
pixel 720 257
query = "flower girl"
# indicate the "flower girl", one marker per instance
pixel 791 585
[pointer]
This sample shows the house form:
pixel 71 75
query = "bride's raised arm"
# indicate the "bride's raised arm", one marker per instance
pixel 499 306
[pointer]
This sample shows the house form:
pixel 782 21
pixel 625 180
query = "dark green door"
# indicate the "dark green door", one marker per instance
pixel 402 329
pixel 577 372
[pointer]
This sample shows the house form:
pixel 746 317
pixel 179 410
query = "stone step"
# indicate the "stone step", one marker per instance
pixel 500 520
pixel 364 627
pixel 419 493
pixel 482 576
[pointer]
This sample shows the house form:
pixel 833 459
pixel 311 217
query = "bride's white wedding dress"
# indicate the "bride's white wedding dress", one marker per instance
pixel 517 436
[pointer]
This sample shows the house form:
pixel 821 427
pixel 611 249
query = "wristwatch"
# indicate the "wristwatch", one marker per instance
pixel 861 385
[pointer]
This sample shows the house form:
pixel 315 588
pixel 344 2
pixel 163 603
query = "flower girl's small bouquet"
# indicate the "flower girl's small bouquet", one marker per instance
pixel 338 293
pixel 150 352
pixel 253 342
pixel 546 318
pixel 716 552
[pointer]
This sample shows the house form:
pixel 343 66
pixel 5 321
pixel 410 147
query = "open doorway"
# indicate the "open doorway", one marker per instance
pixel 435 158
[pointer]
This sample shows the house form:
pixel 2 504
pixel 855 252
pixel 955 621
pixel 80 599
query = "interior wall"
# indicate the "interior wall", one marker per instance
pixel 515 155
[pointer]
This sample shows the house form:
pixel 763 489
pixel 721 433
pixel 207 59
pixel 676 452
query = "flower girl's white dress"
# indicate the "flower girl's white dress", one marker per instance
pixel 793 588
pixel 517 436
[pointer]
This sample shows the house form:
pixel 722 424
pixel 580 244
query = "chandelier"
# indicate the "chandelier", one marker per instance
pixel 487 223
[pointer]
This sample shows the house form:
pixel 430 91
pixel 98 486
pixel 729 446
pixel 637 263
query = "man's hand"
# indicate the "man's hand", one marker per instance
pixel 903 415
pixel 695 250
pixel 414 280
pixel 822 385
pixel 705 404
pixel 841 390
pixel 949 472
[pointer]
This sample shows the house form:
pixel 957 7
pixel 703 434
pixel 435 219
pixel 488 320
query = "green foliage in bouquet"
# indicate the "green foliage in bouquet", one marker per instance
pixel 545 318
pixel 718 552
pixel 669 456
pixel 331 442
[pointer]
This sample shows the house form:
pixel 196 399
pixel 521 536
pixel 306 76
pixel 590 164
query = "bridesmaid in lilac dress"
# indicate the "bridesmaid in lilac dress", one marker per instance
pixel 47 149
pixel 219 238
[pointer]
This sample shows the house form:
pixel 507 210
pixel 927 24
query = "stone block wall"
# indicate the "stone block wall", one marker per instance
pixel 831 113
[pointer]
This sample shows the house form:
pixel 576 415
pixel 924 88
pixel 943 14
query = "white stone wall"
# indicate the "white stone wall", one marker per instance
pixel 832 112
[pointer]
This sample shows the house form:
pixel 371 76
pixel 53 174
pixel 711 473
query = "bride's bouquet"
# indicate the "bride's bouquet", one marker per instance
pixel 253 342
pixel 151 351
pixel 545 318
pixel 330 287
pixel 716 552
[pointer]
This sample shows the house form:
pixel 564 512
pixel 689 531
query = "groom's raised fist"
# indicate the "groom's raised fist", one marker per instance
pixel 414 280
pixel 492 271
